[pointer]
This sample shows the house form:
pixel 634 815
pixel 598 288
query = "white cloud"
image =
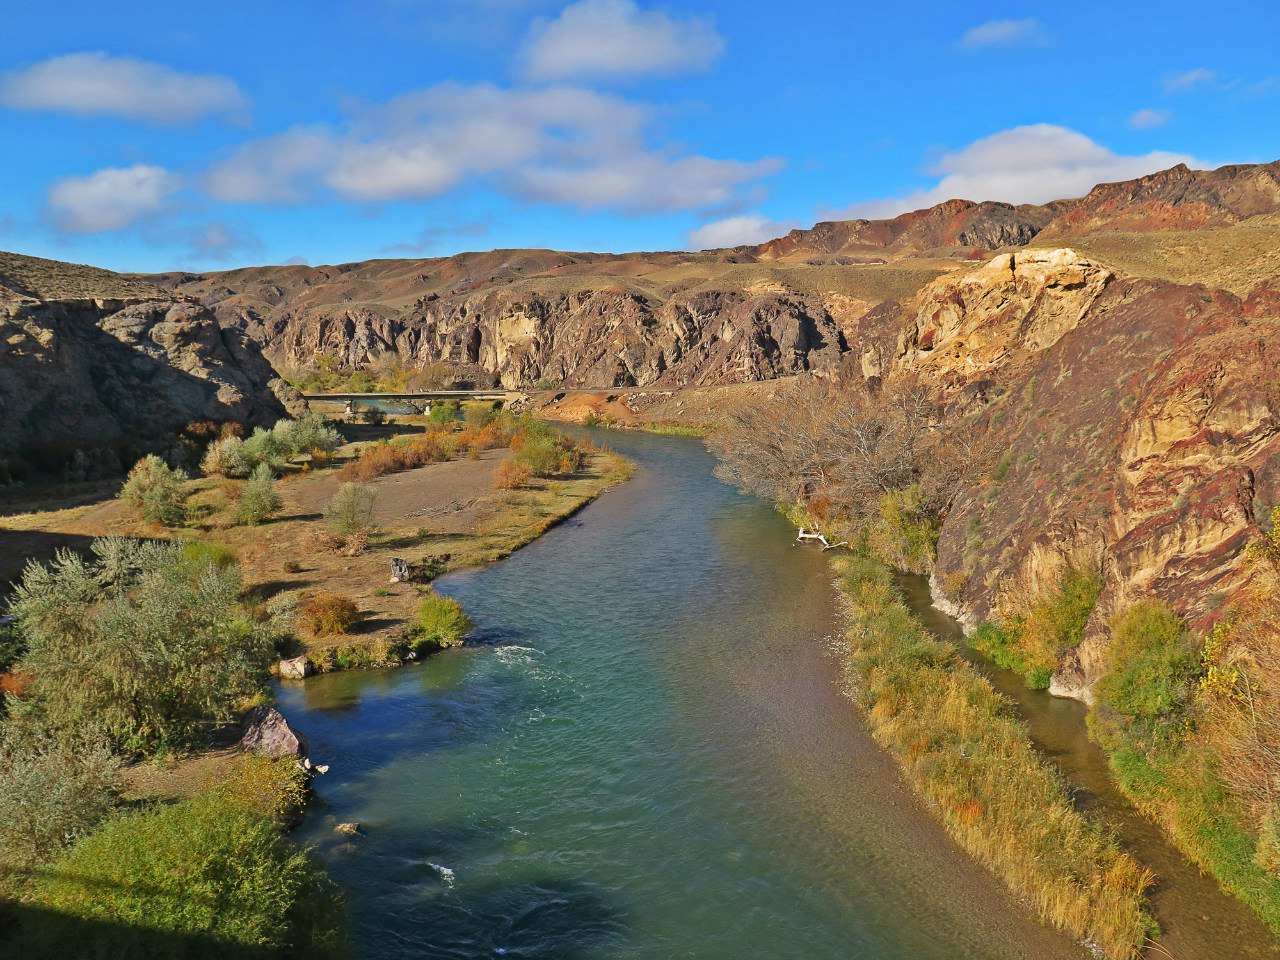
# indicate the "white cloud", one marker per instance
pixel 601 38
pixel 112 198
pixel 269 170
pixel 556 145
pixel 1000 32
pixel 97 84
pixel 1148 119
pixel 1189 79
pixel 1031 164
pixel 748 228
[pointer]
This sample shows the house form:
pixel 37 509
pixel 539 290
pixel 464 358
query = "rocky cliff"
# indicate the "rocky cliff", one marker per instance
pixel 676 319
pixel 96 369
pixel 1138 426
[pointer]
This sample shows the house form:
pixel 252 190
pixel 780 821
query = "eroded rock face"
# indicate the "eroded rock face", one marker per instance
pixel 123 377
pixel 267 733
pixel 1138 425
pixel 599 337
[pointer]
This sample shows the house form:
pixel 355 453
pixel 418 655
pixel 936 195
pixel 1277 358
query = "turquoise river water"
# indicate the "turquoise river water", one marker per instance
pixel 643 755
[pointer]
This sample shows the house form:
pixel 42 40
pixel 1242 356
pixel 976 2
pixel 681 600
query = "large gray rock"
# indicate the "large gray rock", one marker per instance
pixel 299 668
pixel 267 733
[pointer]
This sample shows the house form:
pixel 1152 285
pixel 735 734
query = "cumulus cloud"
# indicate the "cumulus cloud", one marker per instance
pixel 1189 79
pixel 1031 164
pixel 1148 119
pixel 1001 32
pixel 747 228
pixel 555 144
pixel 112 198
pixel 98 84
pixel 604 38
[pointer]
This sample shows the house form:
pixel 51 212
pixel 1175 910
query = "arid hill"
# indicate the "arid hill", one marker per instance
pixel 96 368
pixel 724 316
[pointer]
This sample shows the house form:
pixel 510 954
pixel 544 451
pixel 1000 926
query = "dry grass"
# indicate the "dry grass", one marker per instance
pixel 969 757
pixel 24 276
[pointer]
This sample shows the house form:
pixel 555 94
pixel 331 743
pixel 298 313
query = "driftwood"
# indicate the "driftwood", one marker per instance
pixel 821 538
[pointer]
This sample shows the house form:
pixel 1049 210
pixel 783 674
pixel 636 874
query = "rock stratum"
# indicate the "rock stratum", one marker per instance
pixel 96 369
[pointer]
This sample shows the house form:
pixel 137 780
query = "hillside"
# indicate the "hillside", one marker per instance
pixel 673 319
pixel 97 368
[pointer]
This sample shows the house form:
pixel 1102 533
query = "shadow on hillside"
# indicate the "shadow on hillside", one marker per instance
pixel 18 547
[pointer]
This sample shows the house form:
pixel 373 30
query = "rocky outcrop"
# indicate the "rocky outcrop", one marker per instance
pixel 1175 199
pixel 1138 425
pixel 952 224
pixel 519 334
pixel 88 384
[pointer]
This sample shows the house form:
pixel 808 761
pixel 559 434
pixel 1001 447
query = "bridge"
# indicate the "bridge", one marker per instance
pixel 418 399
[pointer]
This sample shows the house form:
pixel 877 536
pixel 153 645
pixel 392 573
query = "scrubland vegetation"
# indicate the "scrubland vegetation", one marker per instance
pixel 966 753
pixel 144 649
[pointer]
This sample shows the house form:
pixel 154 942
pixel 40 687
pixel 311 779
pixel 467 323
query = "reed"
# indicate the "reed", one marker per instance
pixel 969 757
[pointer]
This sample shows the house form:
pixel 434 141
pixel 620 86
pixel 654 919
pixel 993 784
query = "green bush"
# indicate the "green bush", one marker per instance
pixel 206 877
pixel 156 491
pixel 541 455
pixel 1033 640
pixel 51 794
pixel 263 446
pixel 1146 696
pixel 258 500
pixel 443 414
pixel 350 513
pixel 226 458
pixel 12 645
pixel 310 433
pixel 143 644
pixel 440 622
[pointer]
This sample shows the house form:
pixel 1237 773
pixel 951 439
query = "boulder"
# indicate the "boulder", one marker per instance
pixel 299 668
pixel 266 732
pixel 347 829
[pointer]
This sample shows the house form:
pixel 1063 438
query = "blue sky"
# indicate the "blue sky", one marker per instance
pixel 203 136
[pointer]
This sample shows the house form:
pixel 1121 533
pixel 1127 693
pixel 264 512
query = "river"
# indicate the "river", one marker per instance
pixel 643 755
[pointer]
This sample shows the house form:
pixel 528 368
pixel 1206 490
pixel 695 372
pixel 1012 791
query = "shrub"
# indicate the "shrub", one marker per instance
pixel 311 434
pixel 226 458
pixel 350 513
pixel 512 475
pixel 541 455
pixel 325 614
pixel 51 794
pixel 264 447
pixel 156 491
pixel 1146 695
pixel 258 500
pixel 207 877
pixel 143 643
pixel 443 414
pixel 440 621
pixel 372 416
pixel 1032 640
pixel 479 415
pixel 12 645
pixel 198 554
